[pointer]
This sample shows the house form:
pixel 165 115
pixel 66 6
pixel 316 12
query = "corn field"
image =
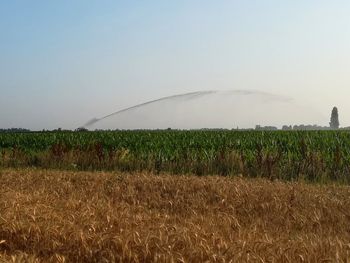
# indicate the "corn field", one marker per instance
pixel 307 155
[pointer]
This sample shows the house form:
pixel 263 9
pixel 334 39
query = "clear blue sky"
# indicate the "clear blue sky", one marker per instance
pixel 64 62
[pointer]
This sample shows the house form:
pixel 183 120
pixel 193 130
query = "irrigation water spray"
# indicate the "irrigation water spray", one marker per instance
pixel 211 109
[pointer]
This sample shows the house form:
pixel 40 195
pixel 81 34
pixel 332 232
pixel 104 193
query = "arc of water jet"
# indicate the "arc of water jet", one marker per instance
pixel 190 95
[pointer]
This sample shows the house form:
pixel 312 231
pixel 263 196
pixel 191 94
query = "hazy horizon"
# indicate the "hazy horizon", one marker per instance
pixel 63 63
pixel 211 109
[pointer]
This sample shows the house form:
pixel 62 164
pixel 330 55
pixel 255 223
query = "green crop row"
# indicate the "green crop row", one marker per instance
pixel 313 155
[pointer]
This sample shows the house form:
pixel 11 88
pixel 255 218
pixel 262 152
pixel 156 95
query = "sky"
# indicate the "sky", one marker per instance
pixel 65 62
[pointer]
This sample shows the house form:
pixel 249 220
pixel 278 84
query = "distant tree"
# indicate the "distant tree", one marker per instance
pixel 15 130
pixel 334 124
pixel 81 129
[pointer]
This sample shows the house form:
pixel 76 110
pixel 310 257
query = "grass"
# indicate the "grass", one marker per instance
pixel 65 216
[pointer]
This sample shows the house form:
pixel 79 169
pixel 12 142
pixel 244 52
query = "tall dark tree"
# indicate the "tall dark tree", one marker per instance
pixel 334 124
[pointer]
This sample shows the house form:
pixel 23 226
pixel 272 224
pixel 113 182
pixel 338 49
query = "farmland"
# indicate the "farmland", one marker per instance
pixel 65 216
pixel 306 155
pixel 175 196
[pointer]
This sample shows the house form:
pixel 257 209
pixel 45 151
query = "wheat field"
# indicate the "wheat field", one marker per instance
pixel 58 216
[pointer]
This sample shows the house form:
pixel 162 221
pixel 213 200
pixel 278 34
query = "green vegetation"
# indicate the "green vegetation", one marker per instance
pixel 334 123
pixel 287 155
